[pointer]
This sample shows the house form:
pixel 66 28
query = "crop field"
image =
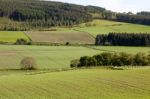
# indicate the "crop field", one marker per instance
pixel 61 37
pixel 53 57
pixel 11 36
pixel 77 84
pixel 104 27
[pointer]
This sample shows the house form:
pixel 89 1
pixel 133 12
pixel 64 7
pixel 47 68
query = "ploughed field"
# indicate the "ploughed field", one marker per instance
pixel 77 84
pixel 54 57
pixel 61 37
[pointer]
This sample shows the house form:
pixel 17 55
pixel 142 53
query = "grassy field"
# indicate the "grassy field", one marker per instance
pixel 132 50
pixel 61 36
pixel 77 84
pixel 104 27
pixel 46 56
pixel 54 57
pixel 11 36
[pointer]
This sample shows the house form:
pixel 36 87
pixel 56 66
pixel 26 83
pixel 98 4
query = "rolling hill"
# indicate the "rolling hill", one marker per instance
pixel 75 84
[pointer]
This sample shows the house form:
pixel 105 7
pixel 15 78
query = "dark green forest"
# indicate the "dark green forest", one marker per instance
pixel 124 39
pixel 46 13
pixel 25 14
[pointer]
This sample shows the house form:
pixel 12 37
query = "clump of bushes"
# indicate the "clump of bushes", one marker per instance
pixel 22 42
pixel 113 59
pixel 67 43
pixel 28 63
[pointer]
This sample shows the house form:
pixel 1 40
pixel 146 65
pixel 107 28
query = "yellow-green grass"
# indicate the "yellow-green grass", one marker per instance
pixel 61 36
pixel 54 57
pixel 104 27
pixel 11 36
pixel 51 57
pixel 132 50
pixel 78 84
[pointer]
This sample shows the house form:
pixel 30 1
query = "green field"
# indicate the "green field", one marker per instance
pixel 11 36
pixel 77 84
pixel 46 56
pixel 54 57
pixel 104 27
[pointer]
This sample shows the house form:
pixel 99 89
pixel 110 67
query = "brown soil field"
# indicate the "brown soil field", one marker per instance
pixel 61 37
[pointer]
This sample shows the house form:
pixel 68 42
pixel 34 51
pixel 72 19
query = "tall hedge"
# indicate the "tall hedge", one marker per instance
pixel 113 59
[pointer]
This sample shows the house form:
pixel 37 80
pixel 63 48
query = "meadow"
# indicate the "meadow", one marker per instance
pixel 54 57
pixel 46 56
pixel 12 36
pixel 75 84
pixel 105 26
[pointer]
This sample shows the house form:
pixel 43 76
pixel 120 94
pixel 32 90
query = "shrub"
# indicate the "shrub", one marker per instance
pixel 107 58
pixel 140 59
pixel 21 42
pixel 67 43
pixel 99 59
pixel 84 61
pixel 116 61
pixel 92 61
pixel 148 59
pixel 74 63
pixel 28 63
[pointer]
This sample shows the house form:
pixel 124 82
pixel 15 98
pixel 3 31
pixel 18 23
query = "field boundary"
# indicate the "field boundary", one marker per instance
pixel 27 36
pixel 84 32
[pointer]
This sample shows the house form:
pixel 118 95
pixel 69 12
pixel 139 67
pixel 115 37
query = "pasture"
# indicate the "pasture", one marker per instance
pixel 77 84
pixel 104 27
pixel 61 37
pixel 50 57
pixel 12 36
pixel 54 57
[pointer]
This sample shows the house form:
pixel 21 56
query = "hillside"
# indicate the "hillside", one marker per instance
pixel 75 84
pixel 37 13
pixel 105 26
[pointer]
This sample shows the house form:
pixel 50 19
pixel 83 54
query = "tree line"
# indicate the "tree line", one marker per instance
pixel 124 39
pixel 112 59
pixel 138 18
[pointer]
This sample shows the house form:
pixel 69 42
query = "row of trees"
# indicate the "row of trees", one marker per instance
pixel 144 13
pixel 139 18
pixel 124 39
pixel 113 59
